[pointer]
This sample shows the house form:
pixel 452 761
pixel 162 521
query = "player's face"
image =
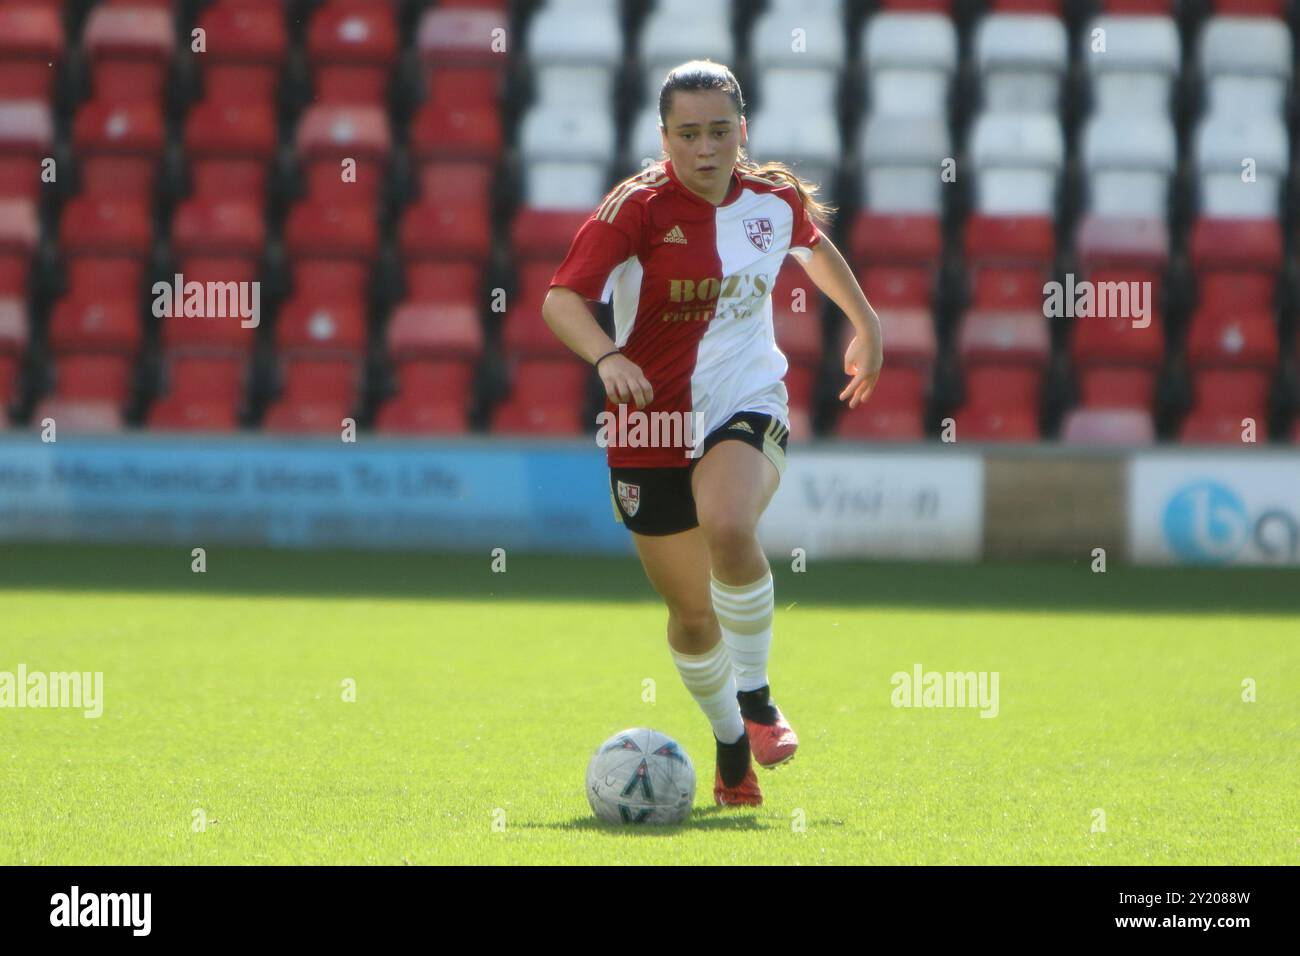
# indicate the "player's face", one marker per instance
pixel 703 139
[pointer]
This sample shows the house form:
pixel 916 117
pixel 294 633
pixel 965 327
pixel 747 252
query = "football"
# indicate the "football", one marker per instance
pixel 641 776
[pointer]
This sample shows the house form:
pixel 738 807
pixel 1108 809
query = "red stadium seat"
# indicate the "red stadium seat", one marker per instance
pixel 909 334
pixel 78 415
pixel 95 325
pixel 130 49
pixel 435 281
pixel 120 145
pixel 526 332
pixel 984 424
pixel 527 417
pixel 197 414
pixel 31 49
pixel 8 379
pixel 1117 386
pixel 460 37
pixel 882 239
pixel 205 393
pixel 107 241
pixel 352 48
pixel 1004 354
pixel 291 416
pixel 26 138
pixel 455 132
pixel 13 338
pixel 897 286
pixel 473 87
pixel 1108 426
pixel 307 325
pixel 93 378
pixel 332 247
pixel 1240 338
pixel 246 46
pixel 456 231
pixel 20 234
pixel 1116 362
pixel 1237 290
pixel 457 182
pixel 798 332
pixel 318 394
pixel 421 330
pixel 555 381
pixel 218 227
pixel 1009 241
pixel 1009 288
pixel 329 134
pixel 1236 245
pixel 544 233
pixel 229 145
pixel 1047 7
pixel 1104 242
pixel 1251 8
pixel 1139 7
pixel 1211 426
pixel 895 411
pixel 433 398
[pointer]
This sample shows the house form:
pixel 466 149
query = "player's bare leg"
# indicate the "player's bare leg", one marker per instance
pixel 733 484
pixel 678 568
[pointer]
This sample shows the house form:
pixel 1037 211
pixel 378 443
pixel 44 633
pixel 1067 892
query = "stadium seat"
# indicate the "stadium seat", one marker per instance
pixel 31 51
pixel 1021 59
pixel 438 281
pixel 450 231
pixel 525 331
pixel 318 393
pixel 1129 159
pixel 1125 242
pixel 461 37
pixel 1135 72
pixel 130 50
pixel 308 326
pixel 229 145
pixel 455 131
pixel 1236 245
pixel 899 156
pixel 13 346
pixel 106 242
pixel 879 239
pixel 120 145
pixel 332 247
pixel 246 46
pixel 452 181
pixel 1223 143
pixel 1018 160
pixel 898 286
pixel 542 234
pixel 95 325
pixel 231 228
pixel 79 415
pixel 1108 426
pixel 1245 62
pixel 328 136
pixel 910 61
pixel 423 330
pixel 433 397
pixel 679 30
pixel 20 235
pixel 352 49
pixel 26 138
pixel 1115 362
pixel 798 333
pixel 90 377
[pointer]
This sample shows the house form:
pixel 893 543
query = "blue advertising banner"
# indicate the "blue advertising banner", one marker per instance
pixel 309 493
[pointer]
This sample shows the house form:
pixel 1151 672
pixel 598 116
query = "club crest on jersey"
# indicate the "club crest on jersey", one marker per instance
pixel 760 233
pixel 629 496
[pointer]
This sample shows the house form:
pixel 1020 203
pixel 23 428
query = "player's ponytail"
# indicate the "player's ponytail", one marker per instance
pixel 706 75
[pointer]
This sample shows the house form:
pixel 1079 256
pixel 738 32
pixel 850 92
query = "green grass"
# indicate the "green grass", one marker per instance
pixel 478 691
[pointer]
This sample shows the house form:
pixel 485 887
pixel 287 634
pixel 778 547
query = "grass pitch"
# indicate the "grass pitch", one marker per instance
pixel 225 738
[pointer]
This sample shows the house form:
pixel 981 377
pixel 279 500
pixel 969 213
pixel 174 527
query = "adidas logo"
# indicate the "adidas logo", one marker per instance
pixel 675 234
pixel 743 426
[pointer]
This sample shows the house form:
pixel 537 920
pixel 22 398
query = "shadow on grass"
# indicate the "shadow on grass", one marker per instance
pixel 701 818
pixel 1021 586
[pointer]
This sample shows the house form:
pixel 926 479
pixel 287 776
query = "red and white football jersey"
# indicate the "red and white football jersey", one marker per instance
pixel 691 285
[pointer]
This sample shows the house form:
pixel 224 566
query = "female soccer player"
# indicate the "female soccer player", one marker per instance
pixel 689 251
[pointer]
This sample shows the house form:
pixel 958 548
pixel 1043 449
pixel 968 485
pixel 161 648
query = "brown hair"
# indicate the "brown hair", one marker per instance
pixel 698 75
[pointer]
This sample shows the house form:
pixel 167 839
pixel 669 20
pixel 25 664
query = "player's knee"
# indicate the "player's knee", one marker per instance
pixel 728 533
pixel 695 623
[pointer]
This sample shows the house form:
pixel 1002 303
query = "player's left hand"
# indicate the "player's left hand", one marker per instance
pixel 862 360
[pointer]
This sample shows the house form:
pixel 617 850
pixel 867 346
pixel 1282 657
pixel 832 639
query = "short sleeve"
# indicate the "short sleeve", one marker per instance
pixel 599 248
pixel 804 234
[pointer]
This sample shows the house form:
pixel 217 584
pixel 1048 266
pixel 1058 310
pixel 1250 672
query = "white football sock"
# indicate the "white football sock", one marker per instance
pixel 708 677
pixel 745 613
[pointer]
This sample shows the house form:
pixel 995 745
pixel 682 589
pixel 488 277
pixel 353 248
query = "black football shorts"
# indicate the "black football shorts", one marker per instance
pixel 659 501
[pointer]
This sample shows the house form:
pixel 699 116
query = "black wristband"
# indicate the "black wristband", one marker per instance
pixel 596 364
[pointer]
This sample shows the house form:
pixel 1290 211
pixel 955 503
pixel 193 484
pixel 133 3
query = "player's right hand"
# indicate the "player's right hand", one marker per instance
pixel 625 382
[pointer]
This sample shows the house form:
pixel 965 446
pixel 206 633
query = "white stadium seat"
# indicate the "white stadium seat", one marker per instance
pixel 809 141
pixel 551 38
pixel 1018 160
pixel 1135 70
pixel 1223 145
pixel 1129 159
pixel 565 185
pixel 588 87
pixel 797 91
pixel 774 43
pixel 673 34
pixel 1021 59
pixel 557 132
pixel 910 60
pixel 643 140
pixel 1246 62
pixel 901 161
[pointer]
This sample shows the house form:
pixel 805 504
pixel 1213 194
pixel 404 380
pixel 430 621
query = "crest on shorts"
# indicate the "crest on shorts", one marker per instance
pixel 760 233
pixel 629 496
